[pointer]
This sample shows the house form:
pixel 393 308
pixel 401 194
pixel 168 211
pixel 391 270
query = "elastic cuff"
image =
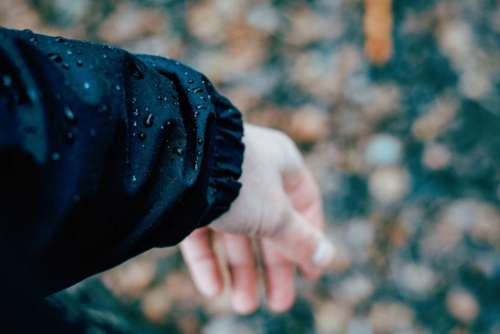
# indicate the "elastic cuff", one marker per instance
pixel 224 185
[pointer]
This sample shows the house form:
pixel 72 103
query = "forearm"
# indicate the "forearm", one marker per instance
pixel 116 153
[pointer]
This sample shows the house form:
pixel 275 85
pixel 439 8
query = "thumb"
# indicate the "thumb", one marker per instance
pixel 303 243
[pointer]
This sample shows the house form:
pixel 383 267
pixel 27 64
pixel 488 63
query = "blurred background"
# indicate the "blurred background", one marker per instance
pixel 396 106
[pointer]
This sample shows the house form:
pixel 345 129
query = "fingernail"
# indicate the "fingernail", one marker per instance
pixel 209 289
pixel 244 304
pixel 323 254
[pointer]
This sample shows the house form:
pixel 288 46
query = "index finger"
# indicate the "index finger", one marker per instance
pixel 201 260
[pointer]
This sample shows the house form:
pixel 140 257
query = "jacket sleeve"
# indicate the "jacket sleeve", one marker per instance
pixel 105 154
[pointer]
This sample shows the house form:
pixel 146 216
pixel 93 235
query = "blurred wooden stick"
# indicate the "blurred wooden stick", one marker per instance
pixel 378 30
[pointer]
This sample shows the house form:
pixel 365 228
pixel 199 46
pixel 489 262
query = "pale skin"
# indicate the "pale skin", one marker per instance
pixel 279 208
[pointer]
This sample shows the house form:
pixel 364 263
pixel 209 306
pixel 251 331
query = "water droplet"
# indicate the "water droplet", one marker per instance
pixel 165 99
pixel 55 156
pixel 146 109
pixel 79 62
pixel 70 137
pixel 86 85
pixel 105 56
pixel 118 88
pixel 28 31
pixel 196 114
pixel 134 124
pixel 200 106
pixel 70 116
pixel 159 98
pixel 33 40
pixel 66 66
pixel 59 39
pixel 179 151
pixel 198 90
pixel 142 135
pixel 55 57
pixel 134 178
pixel 190 81
pixel 148 120
pixel 134 100
pixel 200 141
pixel 6 80
pixel 69 52
pixel 136 112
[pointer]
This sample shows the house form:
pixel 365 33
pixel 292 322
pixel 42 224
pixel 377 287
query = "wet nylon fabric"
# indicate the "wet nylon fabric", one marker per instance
pixel 104 155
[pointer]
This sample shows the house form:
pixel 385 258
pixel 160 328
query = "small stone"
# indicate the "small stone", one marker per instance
pixel 437 118
pixel 130 279
pixel 332 317
pixel 383 150
pixel 359 325
pixel 264 17
pixel 389 184
pixel 129 22
pixel 475 84
pixel 391 317
pixel 436 156
pixel 309 125
pixel 353 290
pixel 415 279
pixel 181 289
pixel 227 325
pixel 462 305
pixel 156 305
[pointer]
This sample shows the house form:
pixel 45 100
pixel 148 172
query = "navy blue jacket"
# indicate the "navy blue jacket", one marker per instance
pixel 104 154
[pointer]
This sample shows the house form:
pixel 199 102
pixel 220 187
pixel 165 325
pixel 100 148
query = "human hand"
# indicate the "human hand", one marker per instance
pixel 279 206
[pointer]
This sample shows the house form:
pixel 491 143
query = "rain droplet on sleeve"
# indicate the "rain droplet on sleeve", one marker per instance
pixel 148 120
pixel 70 115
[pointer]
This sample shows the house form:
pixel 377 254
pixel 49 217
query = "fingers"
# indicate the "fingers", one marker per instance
pixel 202 262
pixel 304 195
pixel 279 278
pixel 305 198
pixel 303 243
pixel 243 271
